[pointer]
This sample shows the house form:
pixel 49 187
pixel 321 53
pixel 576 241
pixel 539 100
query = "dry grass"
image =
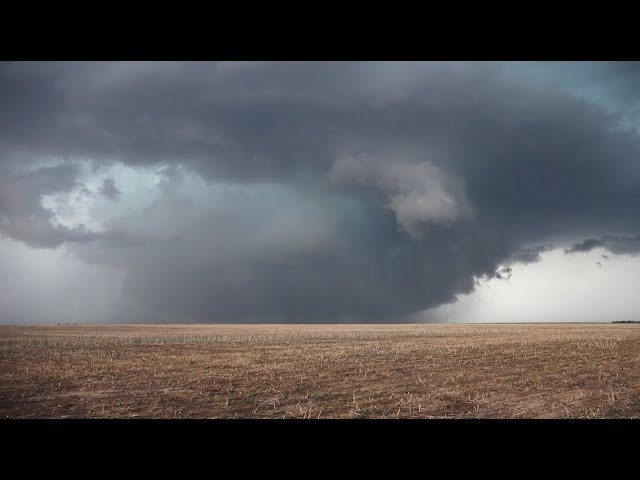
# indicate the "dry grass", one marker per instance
pixel 344 371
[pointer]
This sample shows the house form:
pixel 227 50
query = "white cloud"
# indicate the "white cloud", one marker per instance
pixel 418 193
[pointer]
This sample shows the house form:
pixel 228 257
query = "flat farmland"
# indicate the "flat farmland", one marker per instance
pixel 321 371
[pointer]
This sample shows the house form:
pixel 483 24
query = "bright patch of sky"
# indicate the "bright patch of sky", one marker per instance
pixel 86 205
pixel 588 287
pixel 141 187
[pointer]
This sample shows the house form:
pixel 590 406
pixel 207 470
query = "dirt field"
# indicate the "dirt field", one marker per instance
pixel 345 371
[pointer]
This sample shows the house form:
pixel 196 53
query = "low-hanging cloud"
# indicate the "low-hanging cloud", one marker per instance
pixel 618 245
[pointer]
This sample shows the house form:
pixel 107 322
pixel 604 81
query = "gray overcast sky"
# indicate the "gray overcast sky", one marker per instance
pixel 319 191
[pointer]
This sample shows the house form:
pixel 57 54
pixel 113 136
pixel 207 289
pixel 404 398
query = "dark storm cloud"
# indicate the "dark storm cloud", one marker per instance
pixel 529 255
pixel 616 80
pixel 109 189
pixel 585 246
pixel 413 179
pixel 613 244
pixel 527 154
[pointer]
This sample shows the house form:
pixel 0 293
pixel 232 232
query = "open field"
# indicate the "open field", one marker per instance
pixel 321 371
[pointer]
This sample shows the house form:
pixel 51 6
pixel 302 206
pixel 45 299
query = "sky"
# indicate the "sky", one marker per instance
pixel 319 192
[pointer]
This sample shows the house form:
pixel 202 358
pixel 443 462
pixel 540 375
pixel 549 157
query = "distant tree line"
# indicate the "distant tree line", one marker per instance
pixel 626 321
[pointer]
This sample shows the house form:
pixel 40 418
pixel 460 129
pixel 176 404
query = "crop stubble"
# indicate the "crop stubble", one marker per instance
pixel 321 371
